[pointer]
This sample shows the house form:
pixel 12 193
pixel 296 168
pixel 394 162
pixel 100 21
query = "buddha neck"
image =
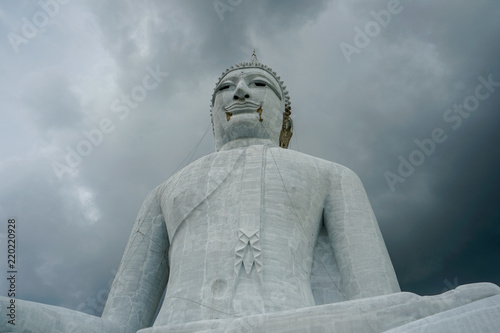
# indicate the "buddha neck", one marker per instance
pixel 246 142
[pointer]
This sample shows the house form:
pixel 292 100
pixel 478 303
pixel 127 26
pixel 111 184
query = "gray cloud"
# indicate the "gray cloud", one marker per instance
pixel 50 101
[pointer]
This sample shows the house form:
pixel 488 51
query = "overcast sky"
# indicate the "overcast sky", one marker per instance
pixel 362 92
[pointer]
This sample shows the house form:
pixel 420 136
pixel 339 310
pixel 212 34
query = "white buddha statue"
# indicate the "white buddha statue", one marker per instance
pixel 256 236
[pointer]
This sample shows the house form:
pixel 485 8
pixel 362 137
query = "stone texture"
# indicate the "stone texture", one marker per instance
pixel 469 308
pixel 479 316
pixel 281 198
pixel 325 275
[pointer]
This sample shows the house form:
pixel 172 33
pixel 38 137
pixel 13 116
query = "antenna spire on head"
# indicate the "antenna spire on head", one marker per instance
pixel 253 58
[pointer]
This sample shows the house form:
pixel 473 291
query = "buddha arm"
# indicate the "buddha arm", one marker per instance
pixel 143 272
pixel 364 264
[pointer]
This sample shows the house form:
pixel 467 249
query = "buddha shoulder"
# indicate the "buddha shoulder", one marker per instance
pixel 326 169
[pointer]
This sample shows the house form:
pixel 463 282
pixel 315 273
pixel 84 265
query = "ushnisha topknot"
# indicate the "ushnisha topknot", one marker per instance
pixel 254 63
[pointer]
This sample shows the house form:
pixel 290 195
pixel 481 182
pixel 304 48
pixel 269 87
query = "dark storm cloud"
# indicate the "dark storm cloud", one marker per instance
pixel 51 221
pixel 228 39
pixel 435 216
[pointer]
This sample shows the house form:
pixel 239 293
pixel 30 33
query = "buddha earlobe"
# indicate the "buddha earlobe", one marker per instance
pixel 286 130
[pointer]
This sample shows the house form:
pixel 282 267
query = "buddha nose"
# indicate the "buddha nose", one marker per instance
pixel 242 91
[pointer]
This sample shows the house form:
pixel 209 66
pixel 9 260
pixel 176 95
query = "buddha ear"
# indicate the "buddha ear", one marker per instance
pixel 286 130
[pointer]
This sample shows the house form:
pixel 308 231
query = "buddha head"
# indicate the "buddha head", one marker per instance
pixel 250 101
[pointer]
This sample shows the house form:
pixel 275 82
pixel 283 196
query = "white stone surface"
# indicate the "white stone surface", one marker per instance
pixel 478 316
pixel 281 197
pixel 325 275
pixel 34 317
pixel 469 308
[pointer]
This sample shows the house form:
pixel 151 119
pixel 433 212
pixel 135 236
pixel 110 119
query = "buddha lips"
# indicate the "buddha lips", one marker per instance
pixel 230 114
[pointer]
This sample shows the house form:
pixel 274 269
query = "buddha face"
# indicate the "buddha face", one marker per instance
pixel 248 103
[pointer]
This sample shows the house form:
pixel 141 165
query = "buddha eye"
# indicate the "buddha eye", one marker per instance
pixel 224 87
pixel 260 83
